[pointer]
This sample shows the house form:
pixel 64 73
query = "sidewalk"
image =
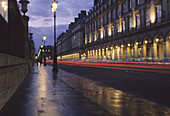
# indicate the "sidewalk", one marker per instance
pixel 42 93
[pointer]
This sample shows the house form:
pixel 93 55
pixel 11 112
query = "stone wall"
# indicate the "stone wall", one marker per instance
pixel 13 70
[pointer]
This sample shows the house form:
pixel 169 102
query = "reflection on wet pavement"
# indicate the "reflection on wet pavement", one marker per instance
pixel 43 94
pixel 116 102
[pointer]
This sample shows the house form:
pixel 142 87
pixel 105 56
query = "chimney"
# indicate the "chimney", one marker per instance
pixel 79 16
pixel 82 14
pixel 71 25
pixel 75 19
pixel 95 2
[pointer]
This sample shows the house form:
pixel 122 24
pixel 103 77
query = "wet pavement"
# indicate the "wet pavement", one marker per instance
pixel 148 85
pixel 116 102
pixel 44 93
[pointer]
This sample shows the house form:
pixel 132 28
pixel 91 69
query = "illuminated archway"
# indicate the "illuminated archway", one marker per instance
pixel 103 52
pixel 168 45
pixel 107 52
pixel 94 53
pixel 147 48
pixel 88 54
pixel 99 51
pixel 123 51
pixel 130 49
pixel 117 51
pixel 112 52
pixel 138 48
pixel 158 47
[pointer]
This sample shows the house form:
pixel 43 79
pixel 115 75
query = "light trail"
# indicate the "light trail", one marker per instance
pixel 145 68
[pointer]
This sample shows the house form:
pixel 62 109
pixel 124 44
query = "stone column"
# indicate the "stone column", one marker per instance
pixel 134 55
pixel 26 19
pixel 120 57
pixel 165 49
pixel 105 52
pixel 142 51
pixel 126 54
pixel 152 51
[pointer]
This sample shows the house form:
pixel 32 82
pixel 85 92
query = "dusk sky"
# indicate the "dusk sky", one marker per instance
pixel 41 17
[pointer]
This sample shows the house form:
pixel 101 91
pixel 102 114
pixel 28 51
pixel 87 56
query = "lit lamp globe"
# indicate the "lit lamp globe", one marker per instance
pixel 4 5
pixel 44 37
pixel 54 6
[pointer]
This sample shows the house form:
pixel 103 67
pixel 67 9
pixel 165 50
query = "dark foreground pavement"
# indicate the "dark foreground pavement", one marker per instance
pixel 43 94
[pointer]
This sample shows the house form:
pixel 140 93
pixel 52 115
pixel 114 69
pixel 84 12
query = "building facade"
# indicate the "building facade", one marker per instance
pixel 70 43
pixel 123 30
pixel 45 52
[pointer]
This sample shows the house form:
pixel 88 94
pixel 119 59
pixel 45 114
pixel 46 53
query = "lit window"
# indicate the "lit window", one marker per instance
pixel 147 17
pixel 104 33
pixel 123 26
pixel 138 21
pixel 95 36
pixel 158 13
pixel 109 30
pixel 86 39
pixel 117 27
pixel 90 38
pixel 101 20
pixel 130 23
pixel 112 30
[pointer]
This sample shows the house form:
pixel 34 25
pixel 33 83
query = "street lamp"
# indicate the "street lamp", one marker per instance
pixel 54 8
pixel 24 5
pixel 5 7
pixel 41 46
pixel 44 38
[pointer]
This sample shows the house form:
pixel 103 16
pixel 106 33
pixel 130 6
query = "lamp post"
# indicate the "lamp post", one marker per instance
pixel 44 38
pixel 54 8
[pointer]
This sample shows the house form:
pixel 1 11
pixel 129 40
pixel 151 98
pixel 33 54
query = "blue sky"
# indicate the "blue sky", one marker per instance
pixel 41 17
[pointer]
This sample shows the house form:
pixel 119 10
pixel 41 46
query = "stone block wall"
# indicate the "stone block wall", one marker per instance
pixel 13 70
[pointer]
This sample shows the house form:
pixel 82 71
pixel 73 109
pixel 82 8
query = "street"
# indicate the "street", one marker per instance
pixel 152 86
